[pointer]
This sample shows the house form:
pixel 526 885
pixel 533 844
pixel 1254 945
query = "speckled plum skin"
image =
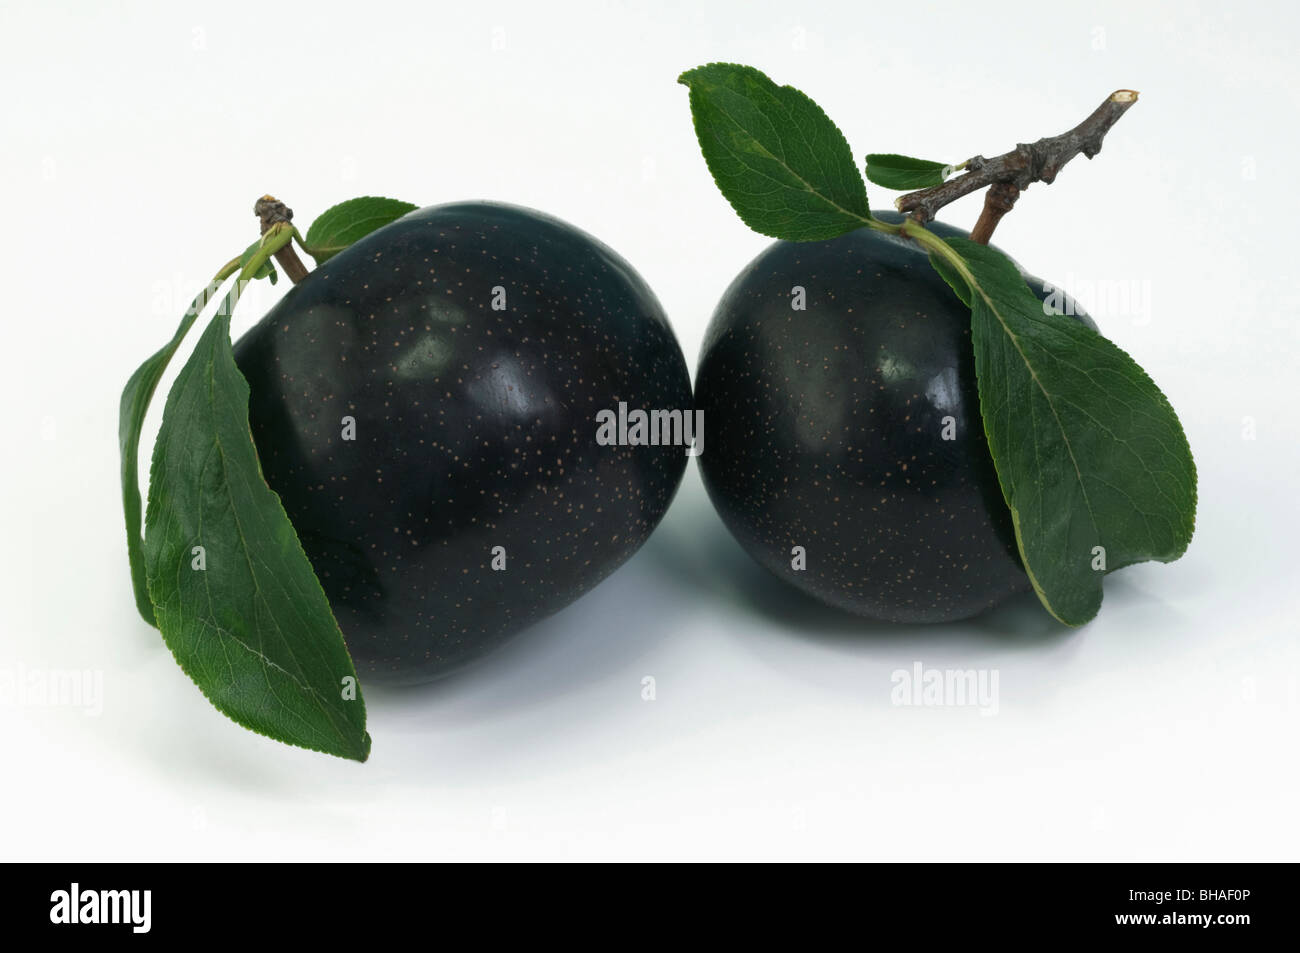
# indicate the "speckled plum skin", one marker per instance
pixel 474 428
pixel 825 431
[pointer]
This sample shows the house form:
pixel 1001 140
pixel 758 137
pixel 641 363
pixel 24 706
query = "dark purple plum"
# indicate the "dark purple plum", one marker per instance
pixel 471 346
pixel 826 430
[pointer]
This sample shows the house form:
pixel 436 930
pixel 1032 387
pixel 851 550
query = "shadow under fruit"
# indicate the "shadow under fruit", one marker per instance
pixel 827 426
pixel 471 347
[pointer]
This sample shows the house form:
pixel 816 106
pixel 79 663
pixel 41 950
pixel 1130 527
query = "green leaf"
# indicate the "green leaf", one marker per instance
pixel 265 270
pixel 1088 451
pixel 778 159
pixel 951 275
pixel 349 222
pixel 252 627
pixel 904 173
pixel 136 397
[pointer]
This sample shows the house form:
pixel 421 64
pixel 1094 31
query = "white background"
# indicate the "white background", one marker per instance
pixel 136 137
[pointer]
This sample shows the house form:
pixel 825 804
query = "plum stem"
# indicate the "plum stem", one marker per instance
pixel 273 212
pixel 1012 172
